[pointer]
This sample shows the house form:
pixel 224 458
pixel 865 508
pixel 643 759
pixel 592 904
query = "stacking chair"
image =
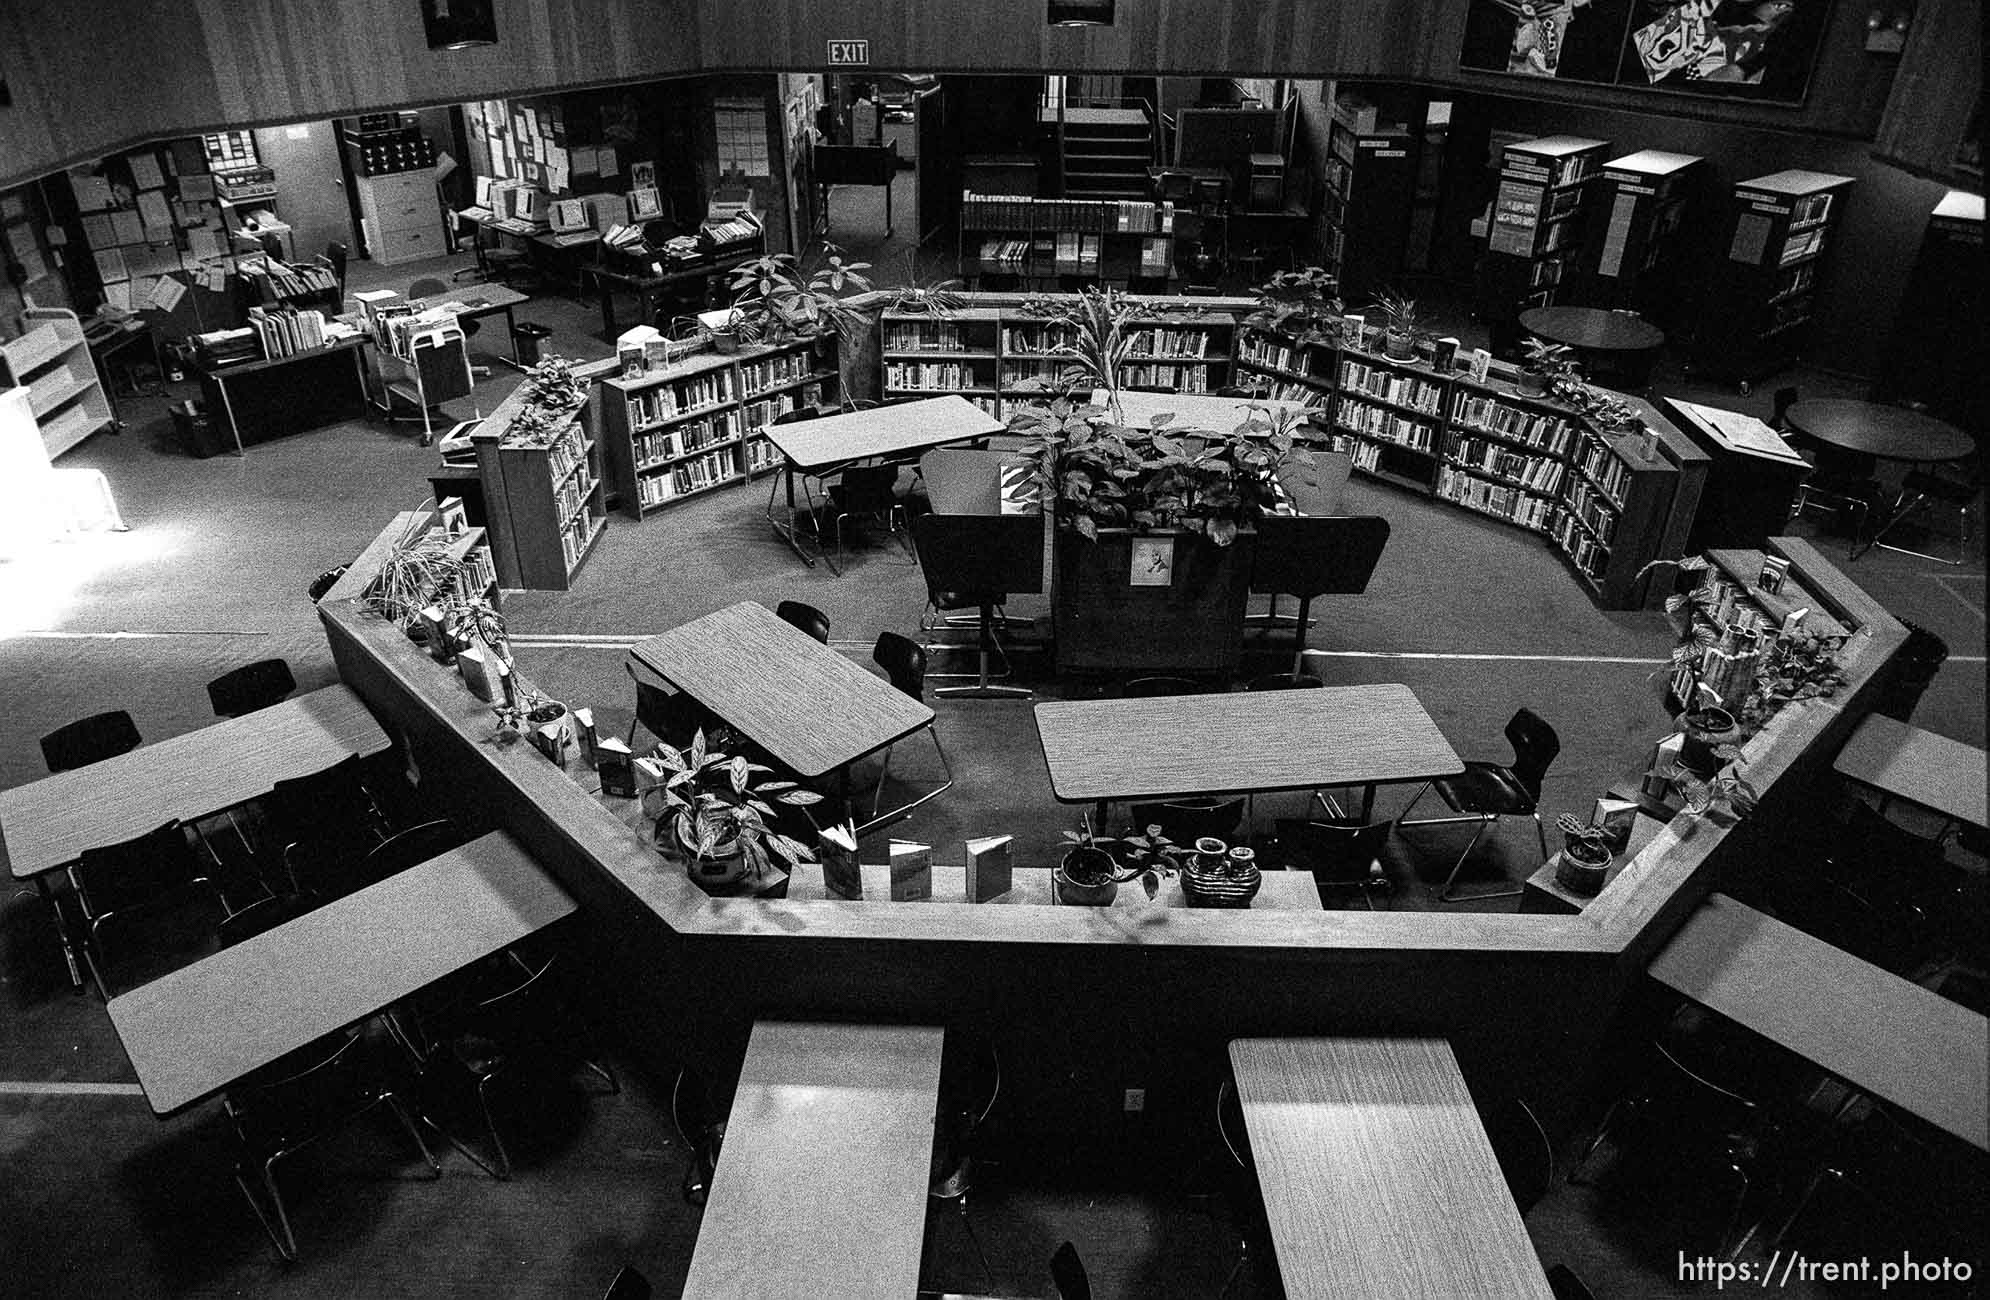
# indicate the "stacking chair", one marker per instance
pixel 806 617
pixel 671 716
pixel 1488 791
pixel 125 889
pixel 428 287
pixel 1340 853
pixel 1839 480
pixel 866 490
pixel 404 849
pixel 957 561
pixel 1565 1284
pixel 1067 1272
pixel 1284 682
pixel 1148 688
pixel 1520 1145
pixel 1186 821
pixel 904 662
pixel 1927 485
pixel 1315 555
pixel 257 918
pixel 89 740
pixel 250 687
pixel 627 1284
pixel 317 823
pixel 1247 1201
pixel 300 1099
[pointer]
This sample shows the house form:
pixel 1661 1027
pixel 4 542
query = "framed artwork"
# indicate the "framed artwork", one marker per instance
pixel 1760 50
pixel 642 176
pixel 1153 562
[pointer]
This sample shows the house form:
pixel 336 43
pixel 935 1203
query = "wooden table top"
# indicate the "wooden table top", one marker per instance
pixel 1918 766
pixel 781 688
pixel 1239 742
pixel 476 299
pixel 193 1032
pixel 49 822
pixel 881 431
pixel 1886 432
pixel 1596 329
pixel 1880 1033
pixel 1377 1175
pixel 1282 891
pixel 830 1137
pixel 1192 410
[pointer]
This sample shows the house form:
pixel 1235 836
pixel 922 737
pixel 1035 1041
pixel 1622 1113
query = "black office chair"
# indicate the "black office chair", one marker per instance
pixel 1148 688
pixel 806 617
pixel 1565 1284
pixel 301 1098
pixel 1284 682
pixel 428 287
pixel 904 662
pixel 126 892
pixel 1315 555
pixel 404 849
pixel 250 687
pixel 1488 791
pixel 953 558
pixel 671 716
pixel 869 491
pixel 314 826
pixel 1339 852
pixel 1067 1272
pixel 1520 1145
pixel 259 917
pixel 627 1284
pixel 89 740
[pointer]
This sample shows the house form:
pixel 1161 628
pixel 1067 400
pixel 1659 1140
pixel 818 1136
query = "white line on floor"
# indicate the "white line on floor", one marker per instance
pixel 127 636
pixel 1944 580
pixel 31 1089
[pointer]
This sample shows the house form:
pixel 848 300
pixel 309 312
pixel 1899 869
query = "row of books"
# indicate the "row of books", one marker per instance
pixel 575 536
pixel 1168 343
pixel 1004 256
pixel 1385 424
pixel 686 477
pixel 1391 386
pixel 1035 374
pixel 1588 505
pixel 1551 433
pixel 572 494
pixel 738 229
pixel 1604 469
pixel 931 375
pixel 763 374
pixel 1037 340
pixel 761 455
pixel 1794 280
pixel 285 331
pixel 923 336
pixel 566 451
pixel 1077 254
pixel 1096 216
pixel 277 280
pixel 474 576
pixel 1540 473
pixel 1288 390
pixel 763 412
pixel 668 401
pixel 1588 555
pixel 1497 499
pixel 1173 379
pixel 1802 244
pixel 661 445
pixel 1261 350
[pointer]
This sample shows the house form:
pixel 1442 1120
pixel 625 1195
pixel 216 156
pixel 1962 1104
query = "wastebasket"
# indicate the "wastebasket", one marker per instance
pixel 525 338
pixel 194 429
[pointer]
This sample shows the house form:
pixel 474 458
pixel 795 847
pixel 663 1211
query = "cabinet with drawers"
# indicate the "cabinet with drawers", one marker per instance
pixel 403 216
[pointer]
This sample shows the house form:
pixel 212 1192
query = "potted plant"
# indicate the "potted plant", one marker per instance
pixel 1798 665
pixel 1722 796
pixel 553 386
pixel 734 328
pixel 1297 303
pixel 940 299
pixel 1708 733
pixel 1544 361
pixel 719 817
pixel 772 300
pixel 1100 339
pixel 416 568
pixel 1087 876
pixel 1402 325
pixel 1585 858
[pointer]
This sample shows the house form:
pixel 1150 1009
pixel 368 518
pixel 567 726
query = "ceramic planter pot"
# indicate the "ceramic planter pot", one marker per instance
pixel 1581 870
pixel 1702 729
pixel 1399 345
pixel 1531 383
pixel 725 341
pixel 1093 886
pixel 725 865
pixel 1225 886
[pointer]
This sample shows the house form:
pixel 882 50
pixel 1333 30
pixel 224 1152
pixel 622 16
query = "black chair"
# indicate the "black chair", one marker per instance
pixel 127 891
pixel 1315 555
pixel 1840 480
pixel 89 740
pixel 317 824
pixel 627 1284
pixel 806 617
pixel 868 491
pixel 1149 688
pixel 1488 791
pixel 430 286
pixel 1959 490
pixel 1564 1284
pixel 1067 1272
pixel 303 1098
pixel 250 687
pixel 1284 682
pixel 404 849
pixel 904 662
pixel 1339 853
pixel 957 556
pixel 1186 821
pixel 1520 1145
pixel 259 917
pixel 336 256
pixel 671 716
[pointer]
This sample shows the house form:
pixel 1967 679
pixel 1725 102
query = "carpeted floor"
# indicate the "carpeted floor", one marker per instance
pixel 1477 618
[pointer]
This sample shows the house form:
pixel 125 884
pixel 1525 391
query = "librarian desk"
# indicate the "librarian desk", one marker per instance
pixel 1377 1174
pixel 1944 776
pixel 193 1032
pixel 47 824
pixel 812 709
pixel 281 395
pixel 1621 342
pixel 818 448
pixel 479 301
pixel 1255 742
pixel 648 288
pixel 1887 1036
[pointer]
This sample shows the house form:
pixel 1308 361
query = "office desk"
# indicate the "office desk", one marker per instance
pixel 829 1140
pixel 1246 742
pixel 816 448
pixel 1942 775
pixel 480 300
pixel 1882 1034
pixel 808 706
pixel 646 287
pixel 313 379
pixel 1378 1177
pixel 193 1032
pixel 50 822
pixel 1282 891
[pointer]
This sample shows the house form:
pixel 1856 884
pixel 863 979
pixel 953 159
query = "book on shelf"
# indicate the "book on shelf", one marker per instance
pixel 911 872
pixel 842 874
pixel 1381 423
pixel 1478 365
pixel 989 873
pixel 1498 499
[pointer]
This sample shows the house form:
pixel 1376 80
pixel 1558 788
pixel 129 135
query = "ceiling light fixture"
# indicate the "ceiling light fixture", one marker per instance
pixel 459 24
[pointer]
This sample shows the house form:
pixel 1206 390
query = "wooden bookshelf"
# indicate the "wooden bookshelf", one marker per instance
pixel 1636 248
pixel 550 495
pixel 1760 301
pixel 698 424
pixel 1536 228
pixel 51 359
pixel 1044 243
pixel 926 352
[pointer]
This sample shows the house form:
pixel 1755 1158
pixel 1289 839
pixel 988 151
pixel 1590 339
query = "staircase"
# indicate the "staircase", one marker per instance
pixel 1105 152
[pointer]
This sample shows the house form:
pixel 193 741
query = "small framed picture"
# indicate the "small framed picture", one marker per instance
pixel 1153 562
pixel 644 204
pixel 1352 326
pixel 642 176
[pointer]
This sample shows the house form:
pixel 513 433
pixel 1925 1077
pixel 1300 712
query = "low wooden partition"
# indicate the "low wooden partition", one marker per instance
pixel 1083 1003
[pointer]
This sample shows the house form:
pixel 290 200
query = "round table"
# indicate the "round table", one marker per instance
pixel 1621 342
pixel 1882 432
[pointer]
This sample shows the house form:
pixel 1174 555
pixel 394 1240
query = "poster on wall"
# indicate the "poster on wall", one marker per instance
pixel 1726 48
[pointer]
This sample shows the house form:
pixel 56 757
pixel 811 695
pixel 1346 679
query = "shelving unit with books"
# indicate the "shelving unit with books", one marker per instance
pixel 1636 247
pixel 548 491
pixel 1753 320
pixel 1179 352
pixel 1042 241
pixel 700 423
pixel 1536 226
pixel 51 359
pixel 1397 408
pixel 926 353
pixel 1627 500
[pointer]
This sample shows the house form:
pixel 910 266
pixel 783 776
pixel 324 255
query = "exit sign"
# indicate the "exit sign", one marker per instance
pixel 849 54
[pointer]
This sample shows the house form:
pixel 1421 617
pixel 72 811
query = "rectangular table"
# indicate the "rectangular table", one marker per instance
pixel 483 300
pixel 1282 891
pixel 1377 1175
pixel 812 709
pixel 817 448
pixel 1942 775
pixel 320 408
pixel 1248 742
pixel 830 1137
pixel 192 1033
pixel 1878 1032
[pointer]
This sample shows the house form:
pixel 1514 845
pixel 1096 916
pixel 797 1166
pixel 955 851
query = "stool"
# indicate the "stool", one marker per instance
pixel 525 339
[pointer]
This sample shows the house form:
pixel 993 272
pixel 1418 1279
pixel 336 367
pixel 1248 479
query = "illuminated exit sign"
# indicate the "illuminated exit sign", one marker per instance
pixel 849 54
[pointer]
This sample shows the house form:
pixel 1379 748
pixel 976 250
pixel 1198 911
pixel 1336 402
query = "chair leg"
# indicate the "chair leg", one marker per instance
pixel 278 1227
pixel 414 1131
pixel 490 1126
pixel 1446 896
pixel 877 795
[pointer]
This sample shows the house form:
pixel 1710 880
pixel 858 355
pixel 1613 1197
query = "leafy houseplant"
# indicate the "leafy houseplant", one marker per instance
pixel 940 299
pixel 1402 325
pixel 1585 856
pixel 720 817
pixel 1105 475
pixel 553 386
pixel 1724 794
pixel 1799 665
pixel 1087 876
pixel 773 301
pixel 1544 362
pixel 1296 303
pixel 418 566
pixel 1100 338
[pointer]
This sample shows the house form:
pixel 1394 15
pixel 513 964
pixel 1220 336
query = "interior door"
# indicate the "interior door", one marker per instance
pixel 937 173
pixel 310 185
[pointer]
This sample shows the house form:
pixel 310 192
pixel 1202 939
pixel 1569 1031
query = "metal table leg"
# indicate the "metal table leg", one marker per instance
pixel 61 930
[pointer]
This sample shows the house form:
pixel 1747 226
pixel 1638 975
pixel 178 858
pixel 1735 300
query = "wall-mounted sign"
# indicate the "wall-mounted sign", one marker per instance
pixel 849 54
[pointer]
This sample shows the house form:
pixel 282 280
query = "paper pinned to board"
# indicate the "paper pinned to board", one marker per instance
pixel 1740 432
pixel 166 293
pixel 152 208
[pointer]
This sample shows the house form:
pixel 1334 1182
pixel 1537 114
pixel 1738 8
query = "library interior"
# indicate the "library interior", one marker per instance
pixel 1411 576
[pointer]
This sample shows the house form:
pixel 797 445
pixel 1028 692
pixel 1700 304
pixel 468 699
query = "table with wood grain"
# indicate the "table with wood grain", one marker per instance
pixel 830 1138
pixel 1901 761
pixel 1884 1035
pixel 815 449
pixel 474 301
pixel 808 706
pixel 1377 1174
pixel 193 1032
pixel 1247 742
